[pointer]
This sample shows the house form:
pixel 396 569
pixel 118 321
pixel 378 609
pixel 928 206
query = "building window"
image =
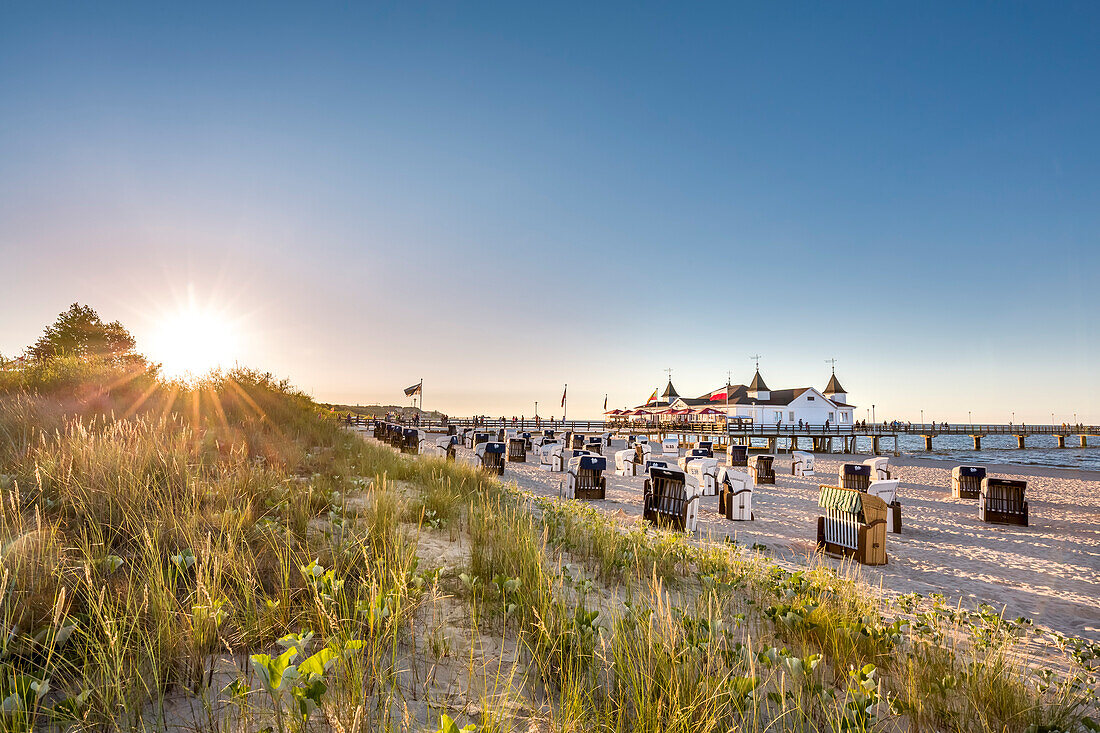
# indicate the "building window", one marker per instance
pixel 810 398
pixel 779 416
pixel 791 418
pixel 844 417
pixel 830 416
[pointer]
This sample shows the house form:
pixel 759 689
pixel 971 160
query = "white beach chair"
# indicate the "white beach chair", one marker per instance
pixel 802 463
pixel 880 468
pixel 445 447
pixel 654 463
pixel 735 494
pixel 888 492
pixel 631 462
pixel 671 447
pixel 550 456
pixel 705 473
pixel 584 477
pixel 693 454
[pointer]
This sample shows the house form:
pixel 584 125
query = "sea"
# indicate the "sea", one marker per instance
pixel 1041 450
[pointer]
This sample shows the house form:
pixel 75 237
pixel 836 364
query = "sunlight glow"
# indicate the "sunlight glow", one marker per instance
pixel 194 340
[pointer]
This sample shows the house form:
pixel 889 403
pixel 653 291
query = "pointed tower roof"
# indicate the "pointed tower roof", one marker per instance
pixel 670 392
pixel 833 387
pixel 757 383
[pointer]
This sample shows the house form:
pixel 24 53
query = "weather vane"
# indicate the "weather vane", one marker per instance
pixel 832 362
pixel 757 358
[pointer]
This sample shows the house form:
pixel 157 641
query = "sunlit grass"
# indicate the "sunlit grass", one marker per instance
pixel 164 546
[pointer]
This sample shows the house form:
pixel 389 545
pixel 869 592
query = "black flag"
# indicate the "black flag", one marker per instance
pixel 415 389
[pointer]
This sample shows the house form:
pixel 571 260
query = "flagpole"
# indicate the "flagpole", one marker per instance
pixel 564 404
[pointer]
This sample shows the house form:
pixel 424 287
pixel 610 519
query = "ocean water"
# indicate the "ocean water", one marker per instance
pixel 1041 450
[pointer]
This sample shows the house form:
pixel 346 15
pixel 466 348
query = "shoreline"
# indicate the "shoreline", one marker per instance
pixel 1021 469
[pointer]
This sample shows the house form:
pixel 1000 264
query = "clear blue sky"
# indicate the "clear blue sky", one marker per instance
pixel 501 198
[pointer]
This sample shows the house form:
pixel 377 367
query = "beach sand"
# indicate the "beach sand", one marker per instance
pixel 1048 572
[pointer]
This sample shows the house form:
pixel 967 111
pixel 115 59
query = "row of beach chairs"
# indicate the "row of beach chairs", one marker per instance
pixel 1000 500
pixel 856 514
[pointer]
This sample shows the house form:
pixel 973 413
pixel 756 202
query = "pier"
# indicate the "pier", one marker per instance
pixel 817 438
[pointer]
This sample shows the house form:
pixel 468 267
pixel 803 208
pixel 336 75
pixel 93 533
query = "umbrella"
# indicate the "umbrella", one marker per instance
pixel 614 412
pixel 710 411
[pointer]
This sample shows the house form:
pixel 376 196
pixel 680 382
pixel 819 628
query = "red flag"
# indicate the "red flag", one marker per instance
pixel 563 395
pixel 719 396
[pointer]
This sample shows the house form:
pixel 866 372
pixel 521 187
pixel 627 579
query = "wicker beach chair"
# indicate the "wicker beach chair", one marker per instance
pixel 762 468
pixel 410 442
pixel 855 476
pixel 707 445
pixel 379 430
pixel 491 456
pixel 802 463
pixel 737 456
pixel 671 447
pixel 594 444
pixel 705 473
pixel 517 449
pixel 853 524
pixel 735 495
pixel 1002 501
pixel 584 478
pixel 966 481
pixel 670 499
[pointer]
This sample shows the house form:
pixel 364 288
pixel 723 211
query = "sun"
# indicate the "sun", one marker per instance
pixel 194 340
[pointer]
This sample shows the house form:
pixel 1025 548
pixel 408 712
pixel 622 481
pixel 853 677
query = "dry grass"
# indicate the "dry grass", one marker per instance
pixel 166 551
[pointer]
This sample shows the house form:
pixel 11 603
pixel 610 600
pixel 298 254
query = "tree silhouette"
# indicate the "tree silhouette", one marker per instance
pixel 80 332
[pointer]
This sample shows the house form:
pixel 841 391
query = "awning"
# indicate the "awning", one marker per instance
pixel 845 500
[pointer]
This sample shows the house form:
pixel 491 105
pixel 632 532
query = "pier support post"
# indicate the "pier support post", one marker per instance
pixel 794 442
pixel 977 442
pixel 927 442
pixel 1061 441
pixel 874 445
pixel 830 448
pixel 1084 441
pixel 1020 441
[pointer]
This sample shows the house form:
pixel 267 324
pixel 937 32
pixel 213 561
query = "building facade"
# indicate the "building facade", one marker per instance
pixel 760 404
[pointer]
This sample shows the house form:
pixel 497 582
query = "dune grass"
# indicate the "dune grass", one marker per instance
pixel 223 556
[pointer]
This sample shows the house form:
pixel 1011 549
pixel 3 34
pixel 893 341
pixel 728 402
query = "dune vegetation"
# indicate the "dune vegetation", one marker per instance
pixel 223 555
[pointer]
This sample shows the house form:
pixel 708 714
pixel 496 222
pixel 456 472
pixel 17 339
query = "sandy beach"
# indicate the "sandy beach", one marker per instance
pixel 1048 572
